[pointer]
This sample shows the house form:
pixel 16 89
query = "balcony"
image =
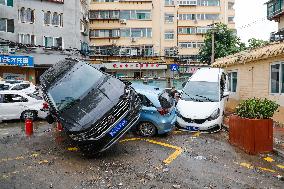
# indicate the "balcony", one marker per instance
pixel 274 10
pixel 104 15
pixel 277 36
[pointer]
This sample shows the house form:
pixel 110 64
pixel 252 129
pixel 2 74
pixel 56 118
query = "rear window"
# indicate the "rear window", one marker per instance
pixel 21 87
pixel 35 96
pixel 166 100
pixel 4 87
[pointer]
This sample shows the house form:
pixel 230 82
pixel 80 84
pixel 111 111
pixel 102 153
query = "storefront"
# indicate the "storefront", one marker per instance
pixel 136 70
pixel 17 67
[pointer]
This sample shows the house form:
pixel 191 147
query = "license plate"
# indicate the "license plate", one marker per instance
pixel 192 128
pixel 120 126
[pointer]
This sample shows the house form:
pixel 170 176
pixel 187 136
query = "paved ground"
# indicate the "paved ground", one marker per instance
pixel 180 160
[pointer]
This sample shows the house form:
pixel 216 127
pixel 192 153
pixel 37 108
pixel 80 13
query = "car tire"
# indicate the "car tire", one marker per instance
pixel 146 129
pixel 29 114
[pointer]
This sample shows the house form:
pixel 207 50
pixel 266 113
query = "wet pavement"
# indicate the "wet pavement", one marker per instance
pixel 180 160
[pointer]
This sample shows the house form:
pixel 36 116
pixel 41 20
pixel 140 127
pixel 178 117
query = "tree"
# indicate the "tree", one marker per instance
pixel 255 43
pixel 226 43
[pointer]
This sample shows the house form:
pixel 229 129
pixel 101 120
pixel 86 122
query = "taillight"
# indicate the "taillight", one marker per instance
pixel 163 111
pixel 45 105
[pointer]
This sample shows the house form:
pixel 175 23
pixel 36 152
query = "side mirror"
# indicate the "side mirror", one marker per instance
pixel 183 84
pixel 226 94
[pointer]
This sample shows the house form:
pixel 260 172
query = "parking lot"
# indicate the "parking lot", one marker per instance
pixel 179 160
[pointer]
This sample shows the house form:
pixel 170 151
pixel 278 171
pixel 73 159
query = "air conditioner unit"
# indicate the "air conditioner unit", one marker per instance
pixel 123 21
pixel 133 39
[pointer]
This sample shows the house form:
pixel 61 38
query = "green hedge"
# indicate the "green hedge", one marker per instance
pixel 256 108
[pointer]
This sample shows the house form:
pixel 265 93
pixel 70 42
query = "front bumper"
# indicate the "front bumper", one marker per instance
pixel 207 125
pixel 166 125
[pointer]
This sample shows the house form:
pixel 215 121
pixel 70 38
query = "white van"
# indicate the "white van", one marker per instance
pixel 201 103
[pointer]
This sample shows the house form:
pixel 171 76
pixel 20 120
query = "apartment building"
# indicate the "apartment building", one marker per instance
pixel 153 31
pixel 43 29
pixel 275 12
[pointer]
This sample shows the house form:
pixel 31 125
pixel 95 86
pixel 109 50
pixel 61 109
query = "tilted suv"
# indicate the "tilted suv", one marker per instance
pixel 95 108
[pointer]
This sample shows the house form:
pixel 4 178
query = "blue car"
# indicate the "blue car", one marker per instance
pixel 157 115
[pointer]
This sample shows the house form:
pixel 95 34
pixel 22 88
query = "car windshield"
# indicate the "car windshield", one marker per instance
pixel 166 100
pixel 201 91
pixel 79 81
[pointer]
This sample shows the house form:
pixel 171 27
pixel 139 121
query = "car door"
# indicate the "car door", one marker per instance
pixel 13 105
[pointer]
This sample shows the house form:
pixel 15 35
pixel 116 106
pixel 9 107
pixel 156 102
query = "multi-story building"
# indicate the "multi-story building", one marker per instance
pixel 45 28
pixel 275 12
pixel 125 33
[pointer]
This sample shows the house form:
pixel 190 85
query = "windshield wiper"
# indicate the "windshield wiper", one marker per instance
pixel 206 98
pixel 194 99
pixel 69 104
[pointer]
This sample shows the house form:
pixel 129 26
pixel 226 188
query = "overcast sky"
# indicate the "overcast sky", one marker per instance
pixel 251 20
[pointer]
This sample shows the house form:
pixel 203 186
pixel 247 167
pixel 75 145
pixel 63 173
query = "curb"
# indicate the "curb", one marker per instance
pixel 279 152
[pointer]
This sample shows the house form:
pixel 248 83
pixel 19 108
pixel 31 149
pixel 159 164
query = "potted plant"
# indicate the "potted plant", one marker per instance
pixel 251 128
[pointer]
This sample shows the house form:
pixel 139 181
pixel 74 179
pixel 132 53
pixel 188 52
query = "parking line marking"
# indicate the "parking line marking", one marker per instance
pixel 247 165
pixel 269 159
pixel 72 149
pixel 197 134
pixel 280 166
pixel 265 169
pixel 11 159
pixel 173 156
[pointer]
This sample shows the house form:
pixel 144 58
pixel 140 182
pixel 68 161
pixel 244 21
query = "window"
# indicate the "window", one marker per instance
pixel 199 16
pixel 27 39
pixel 7 2
pixel 231 5
pixel 26 15
pixel 105 1
pixel 53 42
pixel 169 18
pixel 232 81
pixel 231 19
pixel 54 19
pixel 12 98
pixel 105 33
pixel 169 35
pixel 20 87
pixel 105 14
pixel 208 2
pixel 135 14
pixel 169 2
pixel 191 44
pixel 136 32
pixel 186 30
pixel 7 25
pixel 47 18
pixel 202 30
pixel 170 51
pixel 187 2
pixel 277 78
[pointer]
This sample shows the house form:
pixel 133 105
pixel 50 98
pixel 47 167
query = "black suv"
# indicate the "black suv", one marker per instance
pixel 95 108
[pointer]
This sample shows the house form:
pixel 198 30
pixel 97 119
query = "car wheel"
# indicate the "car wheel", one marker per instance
pixel 146 129
pixel 29 114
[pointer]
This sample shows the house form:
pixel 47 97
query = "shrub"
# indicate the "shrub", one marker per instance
pixel 256 108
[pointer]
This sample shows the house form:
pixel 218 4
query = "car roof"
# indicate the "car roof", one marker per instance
pixel 12 92
pixel 207 74
pixel 151 92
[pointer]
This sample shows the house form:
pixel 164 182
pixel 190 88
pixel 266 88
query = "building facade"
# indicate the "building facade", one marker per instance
pixel 43 30
pixel 169 31
pixel 256 73
pixel 275 12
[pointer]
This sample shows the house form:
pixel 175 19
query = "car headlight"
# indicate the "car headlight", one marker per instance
pixel 214 115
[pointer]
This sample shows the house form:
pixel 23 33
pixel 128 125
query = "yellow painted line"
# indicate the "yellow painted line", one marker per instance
pixel 34 155
pixel 177 132
pixel 197 134
pixel 43 161
pixel 280 166
pixel 269 159
pixel 72 149
pixel 265 169
pixel 247 165
pixel 11 159
pixel 173 156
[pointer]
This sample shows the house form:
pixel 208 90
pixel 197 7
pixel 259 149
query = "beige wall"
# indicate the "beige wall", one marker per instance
pixel 254 81
pixel 157 23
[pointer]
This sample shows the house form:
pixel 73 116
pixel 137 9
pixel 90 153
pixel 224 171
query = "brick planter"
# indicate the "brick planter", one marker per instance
pixel 251 135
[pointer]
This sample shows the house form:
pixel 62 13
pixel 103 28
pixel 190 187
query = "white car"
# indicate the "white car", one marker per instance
pixel 15 85
pixel 19 105
pixel 201 103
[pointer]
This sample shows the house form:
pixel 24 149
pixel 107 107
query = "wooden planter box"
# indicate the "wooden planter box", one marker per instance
pixel 252 135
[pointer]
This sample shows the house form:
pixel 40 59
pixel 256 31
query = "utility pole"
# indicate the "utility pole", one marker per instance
pixel 213 43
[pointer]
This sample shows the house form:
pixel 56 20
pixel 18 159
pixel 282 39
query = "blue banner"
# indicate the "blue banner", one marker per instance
pixel 22 61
